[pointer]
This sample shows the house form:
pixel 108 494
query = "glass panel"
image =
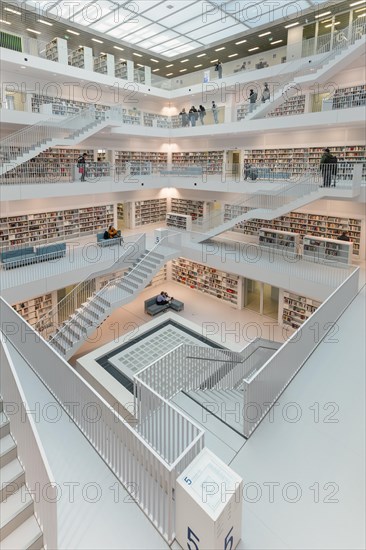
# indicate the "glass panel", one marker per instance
pixel 252 295
pixel 309 31
pixel 270 301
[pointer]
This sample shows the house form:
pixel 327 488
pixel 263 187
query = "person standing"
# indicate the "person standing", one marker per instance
pixel 202 113
pixel 326 167
pixel 266 95
pixel 193 115
pixel 218 68
pixel 81 164
pixel 215 112
pixel 184 117
pixel 252 100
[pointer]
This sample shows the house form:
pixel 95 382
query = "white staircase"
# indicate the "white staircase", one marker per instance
pixel 19 528
pixel 29 142
pixel 319 70
pixel 71 334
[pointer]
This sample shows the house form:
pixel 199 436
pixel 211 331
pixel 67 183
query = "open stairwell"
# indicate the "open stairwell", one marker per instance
pixel 320 70
pixel 19 528
pixel 71 334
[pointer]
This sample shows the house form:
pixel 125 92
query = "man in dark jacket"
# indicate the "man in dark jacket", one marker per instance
pixel 326 167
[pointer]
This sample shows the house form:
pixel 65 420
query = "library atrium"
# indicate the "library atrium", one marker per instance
pixel 182 272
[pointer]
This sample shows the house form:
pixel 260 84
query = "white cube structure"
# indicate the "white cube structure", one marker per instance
pixel 208 505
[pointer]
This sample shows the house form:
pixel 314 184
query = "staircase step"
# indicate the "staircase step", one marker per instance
pixel 156 255
pixel 8 450
pixel 4 425
pixel 12 478
pixel 134 278
pixel 125 288
pixel 27 536
pixel 225 407
pixel 102 300
pixel 129 283
pixel 14 511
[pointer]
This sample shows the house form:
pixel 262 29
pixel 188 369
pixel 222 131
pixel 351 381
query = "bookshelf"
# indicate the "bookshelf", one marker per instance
pixel 120 211
pixel 82 58
pixel 278 239
pixel 141 163
pixel 104 64
pixel 179 221
pixel 222 286
pixel 139 213
pixel 52 226
pixel 56 50
pixel 292 106
pixel 317 225
pixel 32 310
pixel 195 209
pixel 157 121
pixel 64 107
pixel 120 69
pixel 297 309
pixel 295 160
pixel 211 161
pixel 327 249
pixel 159 278
pixel 352 96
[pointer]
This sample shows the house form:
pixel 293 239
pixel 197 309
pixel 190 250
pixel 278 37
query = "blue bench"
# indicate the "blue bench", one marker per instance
pixel 152 308
pixel 101 241
pixel 31 255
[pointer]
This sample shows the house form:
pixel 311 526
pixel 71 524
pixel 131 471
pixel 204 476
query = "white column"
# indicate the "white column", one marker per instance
pixel 147 75
pixel 130 69
pixel 294 43
pixel 110 64
pixel 88 59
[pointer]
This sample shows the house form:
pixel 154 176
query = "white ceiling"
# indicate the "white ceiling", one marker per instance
pixel 172 28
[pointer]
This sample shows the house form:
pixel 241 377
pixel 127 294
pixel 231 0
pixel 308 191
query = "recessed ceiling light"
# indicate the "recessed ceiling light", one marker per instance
pixel 96 40
pixel 154 60
pixel 23 67
pixel 184 60
pixel 201 55
pixel 73 32
pixel 292 25
pixel 276 42
pixel 182 70
pixel 122 59
pixel 45 22
pixel 118 48
pixel 137 54
pixel 362 15
pixel 13 11
pixel 139 64
pixel 331 24
pixel 196 66
pixel 156 70
pixel 323 14
pixel 357 3
pixel 253 49
pixel 170 65
pixel 214 61
pixel 241 42
pixel 6 22
pixel 169 74
pixel 219 49
pixel 233 55
pixel 360 9
pixel 264 34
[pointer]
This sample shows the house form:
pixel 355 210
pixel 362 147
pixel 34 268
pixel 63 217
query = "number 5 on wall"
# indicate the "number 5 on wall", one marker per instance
pixel 192 537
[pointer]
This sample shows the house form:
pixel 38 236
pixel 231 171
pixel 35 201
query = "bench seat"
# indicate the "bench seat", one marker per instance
pixel 31 255
pixel 152 308
pixel 101 241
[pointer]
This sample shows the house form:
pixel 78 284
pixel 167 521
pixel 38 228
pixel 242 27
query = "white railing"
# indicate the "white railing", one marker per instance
pixel 148 477
pixel 39 478
pixel 266 385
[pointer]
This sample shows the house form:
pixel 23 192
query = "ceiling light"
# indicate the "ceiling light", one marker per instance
pixel 241 42
pixel 45 22
pixel 292 25
pixel 201 55
pixel 156 70
pixel 323 14
pixel 357 3
pixel 139 65
pixel 253 49
pixel 23 67
pixel 214 61
pixel 196 66
pixel 122 59
pixel 73 32
pixel 6 22
pixel 32 30
pixel 233 55
pixel 360 9
pixel 219 49
pixel 118 48
pixel 154 60
pixel 169 74
pixel 362 15
pixel 182 70
pixel 330 24
pixel 137 54
pixel 13 11
pixel 276 42
pixel 264 34
pixel 184 60
pixel 96 40
pixel 171 65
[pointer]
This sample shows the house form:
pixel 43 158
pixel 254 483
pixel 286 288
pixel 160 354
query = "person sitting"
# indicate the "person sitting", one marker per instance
pixel 163 299
pixel 113 233
pixel 344 237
